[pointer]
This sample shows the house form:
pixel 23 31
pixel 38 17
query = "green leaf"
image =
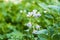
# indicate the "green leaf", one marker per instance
pixel 56 37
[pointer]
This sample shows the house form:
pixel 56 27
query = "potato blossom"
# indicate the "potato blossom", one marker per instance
pixel 34 13
pixel 29 24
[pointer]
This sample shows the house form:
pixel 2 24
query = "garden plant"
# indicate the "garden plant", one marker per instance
pixel 29 19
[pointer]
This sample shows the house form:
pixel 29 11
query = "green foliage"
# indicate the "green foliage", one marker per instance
pixel 30 20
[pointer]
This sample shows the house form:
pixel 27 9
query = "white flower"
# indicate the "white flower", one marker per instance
pixel 37 15
pixel 29 24
pixel 34 13
pixel 38 26
pixel 29 14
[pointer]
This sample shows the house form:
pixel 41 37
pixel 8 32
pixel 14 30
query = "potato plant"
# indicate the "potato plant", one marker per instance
pixel 29 19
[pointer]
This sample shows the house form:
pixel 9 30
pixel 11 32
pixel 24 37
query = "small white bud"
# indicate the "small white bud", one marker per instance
pixel 38 14
pixel 29 24
pixel 21 11
pixel 29 14
pixel 45 11
pixel 34 11
pixel 38 26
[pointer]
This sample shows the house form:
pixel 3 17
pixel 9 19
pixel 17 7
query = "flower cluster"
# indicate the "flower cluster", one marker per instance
pixel 29 24
pixel 34 13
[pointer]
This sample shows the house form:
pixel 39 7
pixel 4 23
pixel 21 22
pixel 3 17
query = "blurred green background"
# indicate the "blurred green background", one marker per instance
pixel 29 19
